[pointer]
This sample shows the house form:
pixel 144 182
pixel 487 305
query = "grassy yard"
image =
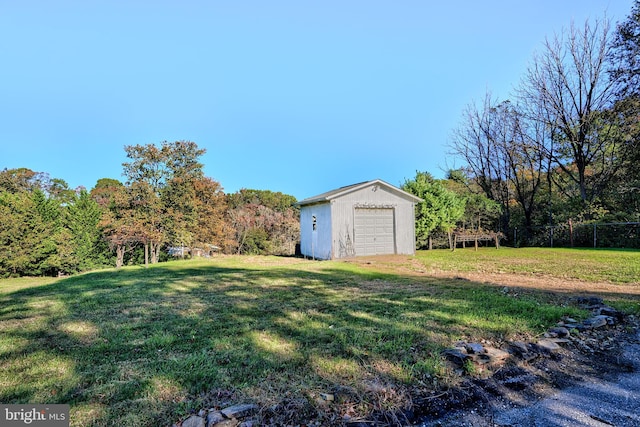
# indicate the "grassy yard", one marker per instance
pixel 592 265
pixel 143 347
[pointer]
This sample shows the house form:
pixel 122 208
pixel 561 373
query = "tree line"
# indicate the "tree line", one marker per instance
pixel 565 145
pixel 165 206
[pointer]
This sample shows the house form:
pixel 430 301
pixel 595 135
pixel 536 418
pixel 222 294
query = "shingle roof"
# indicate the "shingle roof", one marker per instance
pixel 329 195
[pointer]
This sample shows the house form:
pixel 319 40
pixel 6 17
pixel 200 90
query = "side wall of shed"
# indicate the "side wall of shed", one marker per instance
pixel 406 228
pixel 316 243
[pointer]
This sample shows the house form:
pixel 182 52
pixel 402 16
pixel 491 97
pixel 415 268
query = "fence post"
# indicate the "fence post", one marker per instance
pixel 595 235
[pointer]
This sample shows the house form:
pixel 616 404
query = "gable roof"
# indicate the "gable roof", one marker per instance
pixel 338 192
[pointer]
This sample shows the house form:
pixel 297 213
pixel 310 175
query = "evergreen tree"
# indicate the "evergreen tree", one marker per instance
pixel 83 218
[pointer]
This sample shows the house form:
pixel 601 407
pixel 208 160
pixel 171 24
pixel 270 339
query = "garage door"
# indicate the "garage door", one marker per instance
pixel 374 233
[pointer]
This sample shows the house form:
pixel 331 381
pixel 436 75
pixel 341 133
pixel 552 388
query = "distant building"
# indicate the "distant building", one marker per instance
pixel 369 218
pixel 206 251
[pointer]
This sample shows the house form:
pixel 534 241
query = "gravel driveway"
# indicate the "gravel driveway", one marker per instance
pixel 594 402
pixel 597 403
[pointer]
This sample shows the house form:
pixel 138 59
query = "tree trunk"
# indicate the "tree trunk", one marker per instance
pixel 155 252
pixel 120 250
pixel 146 254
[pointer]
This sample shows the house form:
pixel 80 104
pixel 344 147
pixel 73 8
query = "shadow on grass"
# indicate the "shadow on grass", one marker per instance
pixel 139 346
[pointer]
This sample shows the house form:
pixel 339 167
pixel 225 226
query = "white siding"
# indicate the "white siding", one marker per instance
pixel 392 231
pixel 316 243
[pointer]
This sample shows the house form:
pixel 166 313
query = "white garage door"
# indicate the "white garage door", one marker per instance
pixel 374 233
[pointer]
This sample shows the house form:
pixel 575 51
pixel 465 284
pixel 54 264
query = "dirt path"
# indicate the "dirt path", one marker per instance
pixel 409 266
pixel 546 283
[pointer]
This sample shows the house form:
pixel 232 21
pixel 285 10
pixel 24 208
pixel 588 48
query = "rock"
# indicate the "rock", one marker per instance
pixel 194 421
pixel 239 411
pixel 214 417
pixel 496 354
pixel 548 345
pixel 456 356
pixel 522 350
pixel 327 396
pixel 226 423
pixel 481 359
pixel 597 322
pixel 519 347
pixel 589 301
pixel 610 311
pixel 474 348
pixel 559 331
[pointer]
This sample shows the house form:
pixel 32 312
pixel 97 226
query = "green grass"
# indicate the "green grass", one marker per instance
pixel 593 265
pixel 144 347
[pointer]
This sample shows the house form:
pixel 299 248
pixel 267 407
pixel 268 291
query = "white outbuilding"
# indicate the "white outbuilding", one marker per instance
pixel 369 218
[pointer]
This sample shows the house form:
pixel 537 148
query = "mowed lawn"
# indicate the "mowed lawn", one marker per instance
pixel 145 347
pixel 618 266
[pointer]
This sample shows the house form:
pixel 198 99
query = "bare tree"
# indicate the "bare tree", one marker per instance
pixel 475 141
pixel 568 90
pixel 524 146
pixel 505 154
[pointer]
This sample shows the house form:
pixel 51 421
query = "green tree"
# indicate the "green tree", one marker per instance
pixel 118 223
pixel 161 181
pixel 20 231
pixel 102 192
pixel 439 210
pixel 624 196
pixel 480 212
pixel 21 179
pixel 82 221
pixel 31 235
pixel 56 254
pixel 178 199
pixel 625 55
pixel 210 227
pixel 59 190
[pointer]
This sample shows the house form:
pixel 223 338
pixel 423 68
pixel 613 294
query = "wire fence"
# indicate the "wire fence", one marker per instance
pixel 582 234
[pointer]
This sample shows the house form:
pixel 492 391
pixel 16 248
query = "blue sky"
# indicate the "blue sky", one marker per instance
pixel 293 96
